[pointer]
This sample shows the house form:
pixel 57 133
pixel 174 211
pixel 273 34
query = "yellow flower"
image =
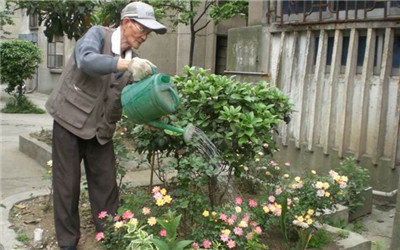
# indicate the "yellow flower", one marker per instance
pixel 297 178
pixel 213 213
pixel 152 221
pixel 319 185
pixel 167 199
pixel 327 194
pixel 160 202
pixel 50 163
pixel 326 185
pixel 260 153
pixel 226 231
pixel 345 178
pixel 266 209
pixel 313 172
pixel 49 172
pixel 118 224
pixel 309 221
pixel 300 218
pixel 133 221
pixel 310 211
pixel 163 191
pixel 238 209
pixel 285 176
pixel 243 224
pixel 206 213
pixel 257 159
pixel 267 173
pixel 294 186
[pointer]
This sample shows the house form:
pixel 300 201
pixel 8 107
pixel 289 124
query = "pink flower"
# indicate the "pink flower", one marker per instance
pixel 127 215
pixel 156 189
pixel 246 218
pixel 249 236
pixel 287 164
pixel 102 215
pixel 231 244
pixel 271 198
pixel 238 201
pixel 230 221
pixel 253 224
pixel 233 217
pixel 258 230
pixel 195 245
pixel 99 236
pixel 163 232
pixel 238 231
pixel 253 203
pixel 206 244
pixel 146 211
pixel 116 218
pixel 158 195
pixel 224 237
pixel 289 201
pixel 223 217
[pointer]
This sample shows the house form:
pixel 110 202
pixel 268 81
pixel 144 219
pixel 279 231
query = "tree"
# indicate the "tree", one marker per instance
pixel 61 16
pixel 19 60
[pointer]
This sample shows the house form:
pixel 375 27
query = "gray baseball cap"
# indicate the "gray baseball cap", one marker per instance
pixel 143 14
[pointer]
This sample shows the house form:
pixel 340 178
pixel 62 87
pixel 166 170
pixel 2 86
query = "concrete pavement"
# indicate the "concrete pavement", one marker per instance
pixel 21 177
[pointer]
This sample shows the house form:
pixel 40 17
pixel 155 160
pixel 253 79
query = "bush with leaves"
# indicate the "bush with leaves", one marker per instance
pixel 19 60
pixel 360 181
pixel 239 118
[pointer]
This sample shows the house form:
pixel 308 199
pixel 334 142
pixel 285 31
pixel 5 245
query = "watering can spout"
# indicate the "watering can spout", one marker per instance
pixel 186 132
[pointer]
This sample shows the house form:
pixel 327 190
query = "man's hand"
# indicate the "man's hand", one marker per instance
pixel 140 68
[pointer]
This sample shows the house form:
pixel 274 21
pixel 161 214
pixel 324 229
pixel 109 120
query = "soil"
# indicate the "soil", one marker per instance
pixel 37 212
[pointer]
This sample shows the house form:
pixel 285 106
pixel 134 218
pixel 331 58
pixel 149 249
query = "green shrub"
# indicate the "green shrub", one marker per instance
pixel 359 177
pixel 239 118
pixel 21 105
pixel 19 59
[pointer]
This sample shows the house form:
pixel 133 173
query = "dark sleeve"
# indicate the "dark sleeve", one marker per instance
pixel 88 54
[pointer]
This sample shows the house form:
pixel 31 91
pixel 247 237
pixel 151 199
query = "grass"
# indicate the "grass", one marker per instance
pixel 21 105
pixel 23 238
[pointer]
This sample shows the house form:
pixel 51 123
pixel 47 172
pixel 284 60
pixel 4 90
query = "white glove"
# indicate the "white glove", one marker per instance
pixel 140 68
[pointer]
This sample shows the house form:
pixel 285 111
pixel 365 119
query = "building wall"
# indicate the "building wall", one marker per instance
pixel 339 110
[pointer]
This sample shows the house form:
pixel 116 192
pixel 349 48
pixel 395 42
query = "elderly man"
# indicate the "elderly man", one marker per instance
pixel 86 105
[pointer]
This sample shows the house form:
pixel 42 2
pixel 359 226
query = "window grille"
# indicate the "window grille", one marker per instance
pixel 55 53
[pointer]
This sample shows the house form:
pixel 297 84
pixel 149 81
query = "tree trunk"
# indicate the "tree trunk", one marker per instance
pixel 192 38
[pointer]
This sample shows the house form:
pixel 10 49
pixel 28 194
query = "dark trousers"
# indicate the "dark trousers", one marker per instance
pixel 99 160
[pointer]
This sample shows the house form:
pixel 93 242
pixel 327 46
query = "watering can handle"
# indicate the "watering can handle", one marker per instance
pixel 153 70
pixel 176 98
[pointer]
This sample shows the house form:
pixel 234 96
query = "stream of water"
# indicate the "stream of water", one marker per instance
pixel 207 148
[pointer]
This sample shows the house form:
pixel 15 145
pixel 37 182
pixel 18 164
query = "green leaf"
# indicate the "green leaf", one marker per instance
pixel 182 244
pixel 160 244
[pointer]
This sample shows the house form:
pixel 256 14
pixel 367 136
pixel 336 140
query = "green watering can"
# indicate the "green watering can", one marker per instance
pixel 149 99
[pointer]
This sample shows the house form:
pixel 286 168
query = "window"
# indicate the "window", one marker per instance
pixel 55 53
pixel 396 55
pixel 220 60
pixel 33 22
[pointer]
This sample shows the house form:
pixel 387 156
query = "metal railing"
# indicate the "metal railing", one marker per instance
pixel 303 12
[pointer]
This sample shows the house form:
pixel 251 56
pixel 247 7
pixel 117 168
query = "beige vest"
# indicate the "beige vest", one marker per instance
pixel 88 106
